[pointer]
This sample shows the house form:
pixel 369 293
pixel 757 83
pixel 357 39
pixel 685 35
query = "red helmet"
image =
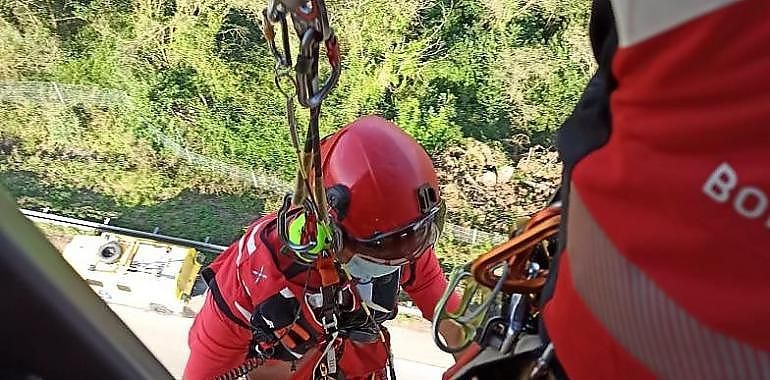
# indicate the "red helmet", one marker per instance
pixel 382 189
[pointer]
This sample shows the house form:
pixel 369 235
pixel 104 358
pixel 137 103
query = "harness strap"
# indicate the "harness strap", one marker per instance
pixel 209 276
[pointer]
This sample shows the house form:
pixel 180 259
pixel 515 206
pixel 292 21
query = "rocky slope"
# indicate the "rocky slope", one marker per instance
pixel 483 187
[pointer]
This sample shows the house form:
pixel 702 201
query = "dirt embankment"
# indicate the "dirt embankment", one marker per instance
pixel 484 187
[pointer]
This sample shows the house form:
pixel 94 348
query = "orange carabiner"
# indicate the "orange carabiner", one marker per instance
pixel 517 252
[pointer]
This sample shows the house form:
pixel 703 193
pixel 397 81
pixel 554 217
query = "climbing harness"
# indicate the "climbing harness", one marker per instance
pixel 260 354
pixel 500 292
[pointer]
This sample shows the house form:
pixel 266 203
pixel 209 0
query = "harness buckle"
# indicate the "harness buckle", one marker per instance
pixel 330 326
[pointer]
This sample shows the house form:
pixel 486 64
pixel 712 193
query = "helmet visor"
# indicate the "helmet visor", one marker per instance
pixel 403 245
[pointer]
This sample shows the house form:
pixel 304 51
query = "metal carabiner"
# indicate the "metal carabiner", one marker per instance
pixel 308 14
pixel 269 17
pixel 467 316
pixel 302 250
pixel 311 23
pixel 326 367
pixel 541 365
pixel 275 10
pixel 308 92
pixel 516 253
pixel 518 314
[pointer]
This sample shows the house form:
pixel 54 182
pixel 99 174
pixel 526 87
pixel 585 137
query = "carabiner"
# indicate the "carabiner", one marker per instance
pixel 308 15
pixel 517 317
pixel 469 318
pixel 308 92
pixel 307 251
pixel 269 17
pixel 516 252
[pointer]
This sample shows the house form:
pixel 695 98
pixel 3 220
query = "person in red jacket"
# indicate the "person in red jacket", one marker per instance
pixel 663 272
pixel 263 299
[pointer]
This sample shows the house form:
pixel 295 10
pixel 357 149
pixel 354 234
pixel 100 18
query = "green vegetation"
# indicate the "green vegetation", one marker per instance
pixel 504 72
pixel 83 172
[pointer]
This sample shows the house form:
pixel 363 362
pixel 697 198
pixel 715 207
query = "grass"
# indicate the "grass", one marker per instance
pixel 83 162
pixel 94 167
pixel 191 215
pixel 58 230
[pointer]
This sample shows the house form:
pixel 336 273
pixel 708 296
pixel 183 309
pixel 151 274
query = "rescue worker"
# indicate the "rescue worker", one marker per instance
pixel 666 186
pixel 384 196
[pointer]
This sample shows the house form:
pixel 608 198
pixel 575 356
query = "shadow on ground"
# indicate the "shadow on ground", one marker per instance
pixel 191 214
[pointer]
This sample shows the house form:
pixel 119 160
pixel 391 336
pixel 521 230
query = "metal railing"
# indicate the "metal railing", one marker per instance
pixel 80 223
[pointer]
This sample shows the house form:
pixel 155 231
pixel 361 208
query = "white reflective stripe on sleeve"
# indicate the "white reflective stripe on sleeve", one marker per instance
pixel 251 242
pixel 245 313
pixel 248 243
pixel 245 243
pixel 641 317
pixel 638 20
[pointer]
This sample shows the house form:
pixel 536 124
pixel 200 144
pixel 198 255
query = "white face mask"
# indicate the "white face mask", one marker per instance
pixel 365 270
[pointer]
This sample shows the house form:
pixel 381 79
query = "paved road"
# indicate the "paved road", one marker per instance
pixel 416 356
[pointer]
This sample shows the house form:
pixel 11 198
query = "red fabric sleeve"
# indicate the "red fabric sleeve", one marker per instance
pixel 427 283
pixel 216 343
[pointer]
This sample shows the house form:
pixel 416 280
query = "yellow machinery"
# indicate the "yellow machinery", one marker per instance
pixel 136 272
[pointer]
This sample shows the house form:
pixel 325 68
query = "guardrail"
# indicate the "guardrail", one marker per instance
pixel 63 220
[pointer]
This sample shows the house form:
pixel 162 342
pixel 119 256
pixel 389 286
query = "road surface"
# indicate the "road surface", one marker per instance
pixel 416 357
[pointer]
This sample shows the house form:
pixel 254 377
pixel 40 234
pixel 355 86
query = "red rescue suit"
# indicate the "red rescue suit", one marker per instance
pixel 253 269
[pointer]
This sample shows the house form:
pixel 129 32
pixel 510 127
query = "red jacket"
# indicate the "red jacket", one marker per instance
pixel 250 271
pixel 665 272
